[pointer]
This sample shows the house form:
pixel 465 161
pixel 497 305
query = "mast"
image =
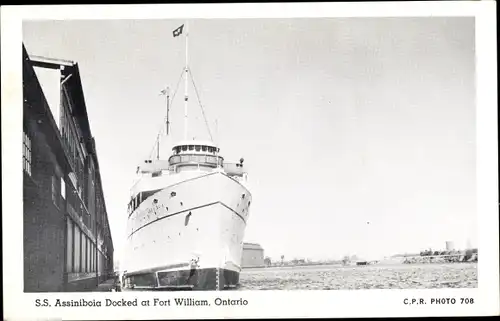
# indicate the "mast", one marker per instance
pixel 217 142
pixel 158 147
pixel 168 111
pixel 186 85
pixel 216 133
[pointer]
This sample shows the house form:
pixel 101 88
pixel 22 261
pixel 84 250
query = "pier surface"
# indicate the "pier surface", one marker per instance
pixel 107 286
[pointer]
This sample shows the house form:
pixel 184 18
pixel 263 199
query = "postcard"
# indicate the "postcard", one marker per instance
pixel 250 160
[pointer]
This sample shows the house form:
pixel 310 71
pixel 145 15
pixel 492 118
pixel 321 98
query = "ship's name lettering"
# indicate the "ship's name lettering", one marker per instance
pixel 154 208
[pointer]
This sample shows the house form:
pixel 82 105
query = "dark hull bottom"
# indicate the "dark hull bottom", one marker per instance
pixel 196 279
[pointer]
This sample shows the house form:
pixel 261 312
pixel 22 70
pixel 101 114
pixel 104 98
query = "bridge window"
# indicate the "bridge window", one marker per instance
pixel 191 147
pixel 197 148
pixel 184 148
pixel 204 148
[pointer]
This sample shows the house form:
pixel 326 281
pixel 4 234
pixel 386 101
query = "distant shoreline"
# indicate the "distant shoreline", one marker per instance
pixel 393 262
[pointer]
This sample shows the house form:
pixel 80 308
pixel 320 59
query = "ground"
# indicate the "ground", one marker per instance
pixel 404 276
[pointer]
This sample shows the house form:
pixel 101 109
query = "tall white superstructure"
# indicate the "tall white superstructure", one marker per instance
pixel 186 218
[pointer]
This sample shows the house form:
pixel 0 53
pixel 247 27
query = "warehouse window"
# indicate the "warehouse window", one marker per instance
pixel 63 188
pixel 92 260
pixel 69 246
pixel 89 246
pixel 26 153
pixel 84 253
pixel 77 249
pixel 55 191
pixel 89 255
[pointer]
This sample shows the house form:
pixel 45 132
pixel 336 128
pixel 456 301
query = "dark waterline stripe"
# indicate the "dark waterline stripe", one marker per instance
pixel 156 269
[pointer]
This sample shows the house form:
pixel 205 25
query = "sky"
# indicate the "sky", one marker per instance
pixel 358 134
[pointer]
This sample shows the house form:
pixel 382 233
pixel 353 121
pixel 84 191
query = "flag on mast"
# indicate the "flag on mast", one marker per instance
pixel 178 31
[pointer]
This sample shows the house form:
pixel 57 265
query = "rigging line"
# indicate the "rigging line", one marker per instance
pixel 177 86
pixel 160 132
pixel 155 144
pixel 201 106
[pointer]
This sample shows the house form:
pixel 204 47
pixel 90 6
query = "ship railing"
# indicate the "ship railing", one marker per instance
pixel 234 169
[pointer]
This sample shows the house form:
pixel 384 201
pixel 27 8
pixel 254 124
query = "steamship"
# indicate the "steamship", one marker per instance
pixel 186 217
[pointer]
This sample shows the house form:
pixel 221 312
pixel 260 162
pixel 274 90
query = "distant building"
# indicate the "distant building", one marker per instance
pixel 67 240
pixel 450 246
pixel 253 255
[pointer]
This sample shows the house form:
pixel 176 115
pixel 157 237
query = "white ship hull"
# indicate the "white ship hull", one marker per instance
pixel 188 234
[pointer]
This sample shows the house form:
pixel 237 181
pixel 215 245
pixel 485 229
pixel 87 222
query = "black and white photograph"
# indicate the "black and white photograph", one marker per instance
pixel 172 157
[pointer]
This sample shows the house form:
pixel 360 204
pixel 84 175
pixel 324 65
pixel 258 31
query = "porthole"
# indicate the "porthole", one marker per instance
pixel 173 194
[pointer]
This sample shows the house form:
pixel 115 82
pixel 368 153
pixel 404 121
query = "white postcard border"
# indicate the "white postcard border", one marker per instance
pixel 358 303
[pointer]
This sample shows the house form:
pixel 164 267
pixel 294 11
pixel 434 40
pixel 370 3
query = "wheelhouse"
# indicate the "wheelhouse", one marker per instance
pixel 201 155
